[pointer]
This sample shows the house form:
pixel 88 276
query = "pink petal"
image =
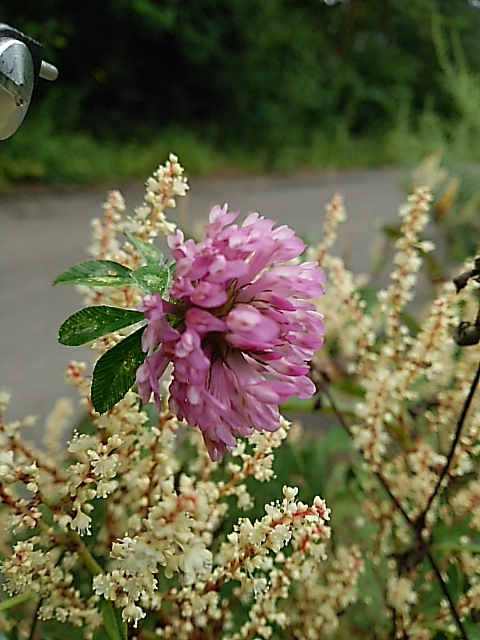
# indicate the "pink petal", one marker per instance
pixel 203 322
pixel 209 295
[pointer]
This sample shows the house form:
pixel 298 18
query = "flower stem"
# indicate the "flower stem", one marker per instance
pixel 417 525
pixel 88 560
pixel 451 453
pixel 31 635
pixel 15 601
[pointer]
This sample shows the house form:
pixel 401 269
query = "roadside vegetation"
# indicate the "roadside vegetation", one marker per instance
pixel 210 548
pixel 240 85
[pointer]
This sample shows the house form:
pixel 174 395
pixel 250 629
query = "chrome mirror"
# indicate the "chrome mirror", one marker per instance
pixel 21 64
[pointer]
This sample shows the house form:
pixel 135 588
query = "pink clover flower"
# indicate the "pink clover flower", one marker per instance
pixel 239 328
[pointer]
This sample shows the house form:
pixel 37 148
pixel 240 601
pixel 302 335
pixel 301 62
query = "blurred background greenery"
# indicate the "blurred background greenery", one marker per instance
pixel 245 85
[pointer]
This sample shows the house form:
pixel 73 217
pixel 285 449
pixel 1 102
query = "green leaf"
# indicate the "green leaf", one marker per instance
pixel 147 250
pixel 392 233
pixel 153 278
pixel 456 546
pixel 15 601
pixel 472 629
pixel 95 322
pixel 298 405
pixel 115 626
pixel 114 373
pixel 96 273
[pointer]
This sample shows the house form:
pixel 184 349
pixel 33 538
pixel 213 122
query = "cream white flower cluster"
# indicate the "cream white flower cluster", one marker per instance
pixel 148 221
pixel 133 514
pixel 33 568
pixel 410 383
pixel 327 589
pixel 159 526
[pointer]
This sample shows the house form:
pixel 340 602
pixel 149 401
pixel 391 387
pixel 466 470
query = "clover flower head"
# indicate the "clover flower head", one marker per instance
pixel 238 328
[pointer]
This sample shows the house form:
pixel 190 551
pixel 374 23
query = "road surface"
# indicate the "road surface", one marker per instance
pixel 43 232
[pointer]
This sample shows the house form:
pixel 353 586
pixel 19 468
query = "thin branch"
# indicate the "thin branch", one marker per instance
pixel 415 525
pixel 379 476
pixel 451 453
pixel 447 595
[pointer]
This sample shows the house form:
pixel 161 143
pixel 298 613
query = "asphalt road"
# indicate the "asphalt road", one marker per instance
pixel 43 232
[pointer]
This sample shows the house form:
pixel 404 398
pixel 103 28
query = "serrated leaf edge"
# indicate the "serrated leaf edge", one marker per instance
pixel 105 409
pixel 102 334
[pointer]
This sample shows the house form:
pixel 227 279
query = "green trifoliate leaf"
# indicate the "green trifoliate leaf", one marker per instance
pixel 95 322
pixel 114 373
pixel 147 250
pixel 96 273
pixel 152 278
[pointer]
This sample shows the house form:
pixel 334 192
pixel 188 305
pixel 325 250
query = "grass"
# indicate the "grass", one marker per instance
pixel 38 153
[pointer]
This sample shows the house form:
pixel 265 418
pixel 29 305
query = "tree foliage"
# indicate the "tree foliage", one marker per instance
pixel 260 71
